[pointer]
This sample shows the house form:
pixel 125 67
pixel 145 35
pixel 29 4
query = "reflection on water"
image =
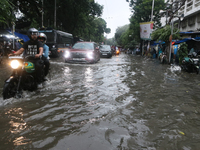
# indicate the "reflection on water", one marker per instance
pixel 17 125
pixel 89 77
pixel 21 141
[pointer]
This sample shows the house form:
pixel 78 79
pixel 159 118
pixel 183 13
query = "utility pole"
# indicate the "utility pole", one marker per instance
pixel 13 29
pixel 151 19
pixel 152 10
pixel 55 15
pixel 42 13
pixel 170 46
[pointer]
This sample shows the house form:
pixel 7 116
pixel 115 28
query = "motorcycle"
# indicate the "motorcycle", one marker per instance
pixel 23 77
pixel 191 63
pixel 117 52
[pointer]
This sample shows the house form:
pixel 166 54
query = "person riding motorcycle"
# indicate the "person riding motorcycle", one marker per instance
pixel 34 47
pixel 43 38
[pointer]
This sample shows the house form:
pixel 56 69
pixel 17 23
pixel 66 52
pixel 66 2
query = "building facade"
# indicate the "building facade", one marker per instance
pixel 191 11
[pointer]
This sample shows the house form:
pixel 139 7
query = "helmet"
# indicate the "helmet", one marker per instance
pixel 31 31
pixel 42 36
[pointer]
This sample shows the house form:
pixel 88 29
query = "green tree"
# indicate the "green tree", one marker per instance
pixel 182 52
pixel 142 13
pixel 164 33
pixel 128 40
pixel 6 12
pixel 119 32
pixel 110 41
pixel 79 17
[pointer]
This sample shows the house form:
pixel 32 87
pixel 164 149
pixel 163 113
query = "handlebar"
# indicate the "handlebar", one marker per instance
pixel 15 57
pixel 30 57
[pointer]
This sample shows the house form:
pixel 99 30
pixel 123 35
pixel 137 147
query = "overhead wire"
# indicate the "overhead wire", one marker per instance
pixel 107 10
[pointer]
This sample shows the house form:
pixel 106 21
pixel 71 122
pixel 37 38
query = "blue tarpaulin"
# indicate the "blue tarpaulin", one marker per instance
pixel 175 49
pixel 22 36
pixel 157 42
pixel 187 39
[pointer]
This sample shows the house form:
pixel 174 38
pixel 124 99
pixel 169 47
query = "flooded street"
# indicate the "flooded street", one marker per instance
pixel 127 102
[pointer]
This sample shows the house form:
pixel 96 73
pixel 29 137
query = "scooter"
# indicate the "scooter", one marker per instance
pixel 191 63
pixel 23 77
pixel 163 58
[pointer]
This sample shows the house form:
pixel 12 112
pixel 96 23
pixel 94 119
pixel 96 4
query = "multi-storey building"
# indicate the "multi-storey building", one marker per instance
pixel 191 11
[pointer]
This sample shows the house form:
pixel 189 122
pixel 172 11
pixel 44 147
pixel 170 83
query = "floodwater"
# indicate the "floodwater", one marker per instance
pixel 127 102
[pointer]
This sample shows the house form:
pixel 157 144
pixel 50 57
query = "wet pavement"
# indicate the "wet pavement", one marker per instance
pixel 127 102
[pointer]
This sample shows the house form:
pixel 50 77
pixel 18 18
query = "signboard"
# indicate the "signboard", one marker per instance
pixel 146 30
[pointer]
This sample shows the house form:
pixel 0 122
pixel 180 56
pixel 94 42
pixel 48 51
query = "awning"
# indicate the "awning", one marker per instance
pixel 22 36
pixel 157 42
pixel 186 39
pixel 19 35
pixel 191 32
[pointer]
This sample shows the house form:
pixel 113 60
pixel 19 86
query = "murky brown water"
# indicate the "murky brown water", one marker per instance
pixel 125 103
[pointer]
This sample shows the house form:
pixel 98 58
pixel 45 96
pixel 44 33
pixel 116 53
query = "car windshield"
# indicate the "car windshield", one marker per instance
pixel 83 46
pixel 105 47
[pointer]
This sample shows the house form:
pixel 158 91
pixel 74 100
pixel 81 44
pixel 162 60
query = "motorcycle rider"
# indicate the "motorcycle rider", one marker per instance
pixel 34 47
pixel 43 38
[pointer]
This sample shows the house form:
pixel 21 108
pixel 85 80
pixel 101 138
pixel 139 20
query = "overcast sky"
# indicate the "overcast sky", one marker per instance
pixel 116 13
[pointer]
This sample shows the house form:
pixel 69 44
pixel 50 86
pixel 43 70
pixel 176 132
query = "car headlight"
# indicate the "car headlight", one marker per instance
pixel 90 55
pixel 53 46
pixel 14 64
pixel 67 54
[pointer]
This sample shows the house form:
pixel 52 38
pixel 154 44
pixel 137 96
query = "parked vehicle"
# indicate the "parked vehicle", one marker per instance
pixel 57 41
pixel 191 63
pixel 105 51
pixel 83 52
pixel 23 77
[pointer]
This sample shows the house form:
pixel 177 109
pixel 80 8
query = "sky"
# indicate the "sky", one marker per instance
pixel 116 13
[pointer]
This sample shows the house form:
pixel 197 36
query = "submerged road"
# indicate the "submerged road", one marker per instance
pixel 127 102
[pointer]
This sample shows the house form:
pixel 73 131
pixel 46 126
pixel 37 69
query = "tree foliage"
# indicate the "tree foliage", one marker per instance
pixel 119 33
pixel 124 37
pixel 182 52
pixel 110 41
pixel 141 10
pixel 142 13
pixel 164 33
pixel 6 16
pixel 79 17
